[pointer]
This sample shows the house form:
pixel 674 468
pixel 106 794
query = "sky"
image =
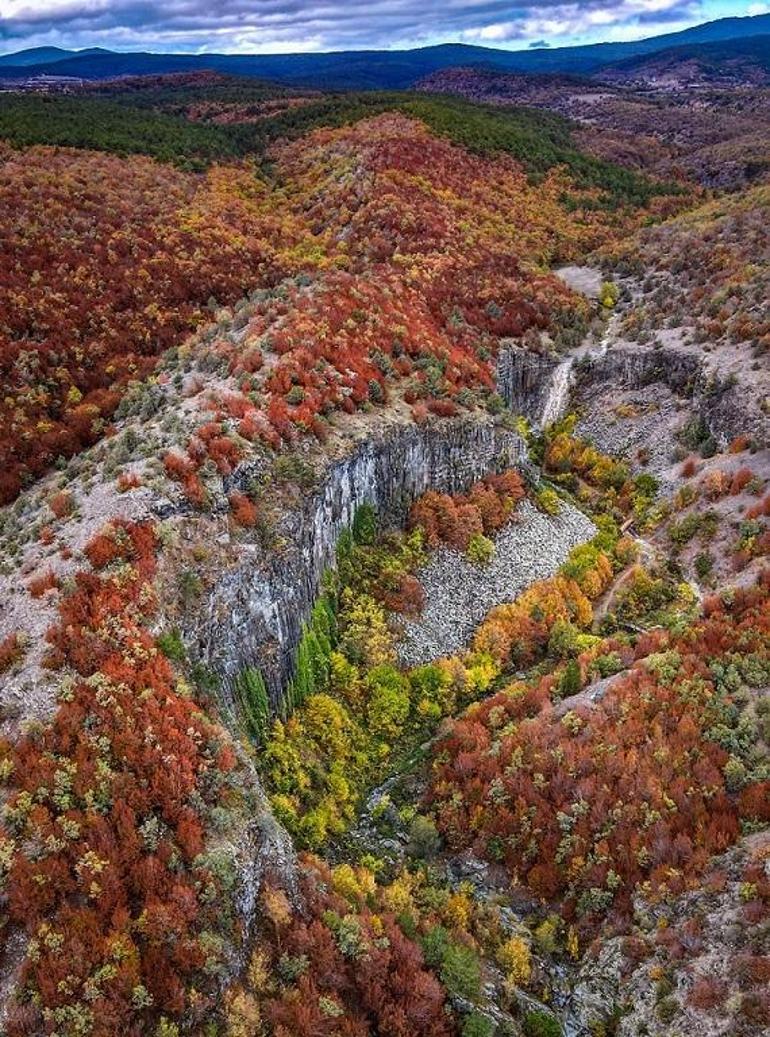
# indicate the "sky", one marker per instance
pixel 279 26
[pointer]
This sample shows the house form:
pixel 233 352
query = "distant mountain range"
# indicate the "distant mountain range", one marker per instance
pixel 373 69
pixel 745 61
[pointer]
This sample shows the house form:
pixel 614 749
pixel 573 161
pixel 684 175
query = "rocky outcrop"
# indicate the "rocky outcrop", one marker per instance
pixel 637 366
pixel 256 609
pixel 524 380
pixel 726 407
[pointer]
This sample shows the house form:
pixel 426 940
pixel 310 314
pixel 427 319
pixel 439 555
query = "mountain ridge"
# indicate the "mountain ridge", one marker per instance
pixel 394 69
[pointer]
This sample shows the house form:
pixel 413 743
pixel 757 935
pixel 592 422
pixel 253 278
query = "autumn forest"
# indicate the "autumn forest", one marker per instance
pixel 384 535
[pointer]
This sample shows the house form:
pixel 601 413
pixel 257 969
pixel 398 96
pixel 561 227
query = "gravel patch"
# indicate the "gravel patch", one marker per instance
pixel 459 594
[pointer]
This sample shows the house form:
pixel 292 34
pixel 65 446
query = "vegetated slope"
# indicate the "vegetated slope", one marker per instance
pixel 741 62
pixel 162 244
pixel 106 263
pixel 714 136
pixel 433 255
pixel 709 269
pixel 135 851
pixel 538 141
pixel 611 810
pixel 27 119
pixel 398 69
pixel 202 96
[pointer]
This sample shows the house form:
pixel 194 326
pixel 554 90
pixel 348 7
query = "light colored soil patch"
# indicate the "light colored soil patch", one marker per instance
pixel 584 279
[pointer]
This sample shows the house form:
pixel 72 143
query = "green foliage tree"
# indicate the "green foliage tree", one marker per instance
pixel 364 527
pixel 254 702
pixel 388 701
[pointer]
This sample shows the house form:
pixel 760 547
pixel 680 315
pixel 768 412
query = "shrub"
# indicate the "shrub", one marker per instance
pixel 740 480
pixel 12 650
pixel 570 682
pixel 128 481
pixel 477 1025
pixel 514 957
pixel 244 511
pixel 548 501
pixel 739 444
pixel 480 549
pixel 704 564
pixel 424 840
pixel 38 586
pixel 541 1024
pixel 171 644
pixel 461 971
pixel 61 504
pixel 707 993
pixel 608 295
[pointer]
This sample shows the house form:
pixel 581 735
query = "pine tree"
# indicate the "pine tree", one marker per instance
pixel 254 702
pixel 364 525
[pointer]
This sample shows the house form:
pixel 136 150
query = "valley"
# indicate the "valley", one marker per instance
pixel 385 514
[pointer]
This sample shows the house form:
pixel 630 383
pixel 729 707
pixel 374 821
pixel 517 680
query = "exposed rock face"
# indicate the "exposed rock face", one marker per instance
pixel 727 407
pixel 256 610
pixel 524 380
pixel 259 848
pixel 538 385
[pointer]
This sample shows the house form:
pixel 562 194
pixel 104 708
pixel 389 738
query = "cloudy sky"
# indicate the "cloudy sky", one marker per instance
pixel 248 26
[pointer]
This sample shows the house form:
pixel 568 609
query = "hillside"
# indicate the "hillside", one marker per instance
pixel 714 134
pixel 384 536
pixel 744 62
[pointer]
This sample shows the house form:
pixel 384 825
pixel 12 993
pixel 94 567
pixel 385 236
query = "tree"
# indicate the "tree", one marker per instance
pixel 253 700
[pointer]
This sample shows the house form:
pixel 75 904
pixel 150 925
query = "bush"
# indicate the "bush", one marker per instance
pixel 480 549
pixel 424 840
pixel 704 564
pixel 548 501
pixel 434 946
pixel 541 1024
pixel 478 1025
pixel 608 296
pixel 514 957
pixel 170 643
pixel 570 683
pixel 461 971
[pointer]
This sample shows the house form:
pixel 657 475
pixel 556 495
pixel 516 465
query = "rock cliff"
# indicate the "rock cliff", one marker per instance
pixel 255 611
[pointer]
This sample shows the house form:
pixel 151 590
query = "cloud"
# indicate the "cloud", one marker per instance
pixel 280 25
pixel 588 18
pixel 539 45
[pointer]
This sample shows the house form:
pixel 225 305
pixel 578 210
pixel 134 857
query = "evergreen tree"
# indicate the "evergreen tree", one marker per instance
pixel 364 525
pixel 253 701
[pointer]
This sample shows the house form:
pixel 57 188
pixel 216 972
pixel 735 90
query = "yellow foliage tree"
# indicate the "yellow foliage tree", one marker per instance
pixel 514 956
